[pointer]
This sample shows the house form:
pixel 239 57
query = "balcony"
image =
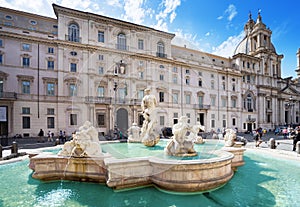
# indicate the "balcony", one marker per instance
pixel 201 106
pixel 98 100
pixel 122 47
pixel 161 55
pixel 72 39
pixel 252 120
pixel 8 95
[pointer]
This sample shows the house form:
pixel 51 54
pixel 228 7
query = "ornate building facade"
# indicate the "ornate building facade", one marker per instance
pixel 57 73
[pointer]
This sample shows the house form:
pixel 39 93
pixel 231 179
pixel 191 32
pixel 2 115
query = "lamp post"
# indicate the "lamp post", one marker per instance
pixel 290 105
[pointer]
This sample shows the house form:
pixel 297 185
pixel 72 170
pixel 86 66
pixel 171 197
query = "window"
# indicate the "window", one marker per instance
pixel 249 102
pixel 187 81
pixel 101 57
pixel 223 102
pixel 233 121
pixel 50 50
pixel 121 42
pixel 233 103
pixel 50 65
pixel 174 69
pixel 175 79
pixel 73 119
pixel 161 77
pixel 175 118
pixel 101 120
pixel 161 96
pixel 26 47
pixel 161 120
pixel 73 53
pixel 223 86
pixel 141 75
pixel 50 111
pixel 268 104
pixel 25 87
pixel 187 71
pixel 73 32
pixel 72 89
pixel 50 89
pixel 175 98
pixel 1 43
pixel 188 99
pixel 140 94
pixel 213 101
pixel 73 67
pixel 101 70
pixel 160 50
pixel 212 85
pixel 224 123
pixel 1 59
pixel 50 123
pixel 161 66
pixel 100 91
pixel 26 61
pixel 141 44
pixel 188 115
pixel 25 110
pixel 233 87
pixel 200 101
pixel 200 73
pixel 100 36
pixel 212 75
pixel 200 82
pixel 33 22
pixel 8 17
pixel 26 122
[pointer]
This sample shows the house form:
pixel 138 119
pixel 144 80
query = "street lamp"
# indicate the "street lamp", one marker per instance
pixel 290 106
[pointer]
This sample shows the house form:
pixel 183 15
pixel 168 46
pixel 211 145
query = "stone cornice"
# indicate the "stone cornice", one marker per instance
pixel 108 21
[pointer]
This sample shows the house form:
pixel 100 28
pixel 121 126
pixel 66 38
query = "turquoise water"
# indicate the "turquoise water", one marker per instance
pixel 262 181
pixel 128 150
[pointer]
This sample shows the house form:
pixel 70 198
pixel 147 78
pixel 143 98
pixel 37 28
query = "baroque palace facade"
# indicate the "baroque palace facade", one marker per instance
pixel 57 73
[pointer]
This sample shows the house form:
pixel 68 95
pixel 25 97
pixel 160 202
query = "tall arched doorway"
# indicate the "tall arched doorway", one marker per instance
pixel 122 120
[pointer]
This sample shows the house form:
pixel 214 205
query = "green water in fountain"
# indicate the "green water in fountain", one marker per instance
pixel 262 181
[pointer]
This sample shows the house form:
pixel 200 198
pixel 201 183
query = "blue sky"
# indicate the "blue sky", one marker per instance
pixel 213 26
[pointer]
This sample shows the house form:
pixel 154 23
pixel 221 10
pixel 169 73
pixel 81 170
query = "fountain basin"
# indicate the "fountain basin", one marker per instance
pixel 196 175
pixel 48 167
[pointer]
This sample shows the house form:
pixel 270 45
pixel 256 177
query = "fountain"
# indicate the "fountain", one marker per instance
pixel 150 136
pixel 82 159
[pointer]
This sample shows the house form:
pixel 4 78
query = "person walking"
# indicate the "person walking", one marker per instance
pixel 296 139
pixel 41 136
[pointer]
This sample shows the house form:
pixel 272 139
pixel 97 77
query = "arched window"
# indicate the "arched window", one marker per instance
pixel 73 32
pixel 121 44
pixel 160 49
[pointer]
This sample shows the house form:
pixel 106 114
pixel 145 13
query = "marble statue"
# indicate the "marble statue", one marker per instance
pixel 134 133
pixel 180 145
pixel 149 134
pixel 85 143
pixel 194 134
pixel 230 137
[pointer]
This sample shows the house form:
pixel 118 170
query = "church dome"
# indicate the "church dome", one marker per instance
pixel 243 47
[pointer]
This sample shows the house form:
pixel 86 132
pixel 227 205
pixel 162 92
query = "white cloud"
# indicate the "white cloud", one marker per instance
pixel 207 34
pixel 226 48
pixel 231 12
pixel 134 11
pixel 219 17
pixel 186 39
pixel 169 10
pixel 115 3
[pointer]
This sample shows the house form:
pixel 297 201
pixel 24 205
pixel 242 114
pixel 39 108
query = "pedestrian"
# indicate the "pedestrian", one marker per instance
pixel 296 139
pixel 257 138
pixel 64 138
pixel 41 135
pixel 49 136
pixel 60 137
